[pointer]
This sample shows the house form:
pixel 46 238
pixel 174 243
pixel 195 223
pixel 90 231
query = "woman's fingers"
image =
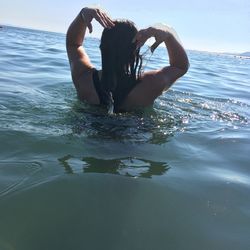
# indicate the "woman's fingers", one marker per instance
pixel 155 45
pixel 109 20
pixel 100 20
pixel 103 19
pixel 90 27
pixel 141 37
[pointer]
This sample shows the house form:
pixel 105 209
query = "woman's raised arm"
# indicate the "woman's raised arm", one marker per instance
pixel 78 58
pixel 154 82
pixel 157 81
pixel 177 55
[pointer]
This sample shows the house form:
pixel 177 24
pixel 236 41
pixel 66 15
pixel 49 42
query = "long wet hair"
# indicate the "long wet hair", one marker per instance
pixel 121 63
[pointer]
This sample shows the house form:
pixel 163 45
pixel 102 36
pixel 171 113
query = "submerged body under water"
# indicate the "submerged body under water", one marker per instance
pixel 173 176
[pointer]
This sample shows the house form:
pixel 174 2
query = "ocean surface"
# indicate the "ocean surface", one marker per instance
pixel 173 176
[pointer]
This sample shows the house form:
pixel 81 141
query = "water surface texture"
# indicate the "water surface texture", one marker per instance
pixel 174 176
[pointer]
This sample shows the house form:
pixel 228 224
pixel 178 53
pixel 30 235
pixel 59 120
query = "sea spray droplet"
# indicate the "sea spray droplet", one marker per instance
pixel 185 120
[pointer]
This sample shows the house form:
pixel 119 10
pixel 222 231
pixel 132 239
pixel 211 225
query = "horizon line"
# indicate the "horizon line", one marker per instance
pixel 59 32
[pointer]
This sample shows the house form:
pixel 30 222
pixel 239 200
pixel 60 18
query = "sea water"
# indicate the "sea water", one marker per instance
pixel 172 176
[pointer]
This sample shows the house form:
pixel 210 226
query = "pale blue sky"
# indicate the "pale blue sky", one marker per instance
pixel 222 25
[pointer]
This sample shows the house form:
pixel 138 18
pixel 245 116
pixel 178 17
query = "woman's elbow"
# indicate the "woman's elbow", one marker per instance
pixel 184 68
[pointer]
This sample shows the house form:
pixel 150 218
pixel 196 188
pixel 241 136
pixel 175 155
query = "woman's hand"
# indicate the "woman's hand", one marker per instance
pixel 101 17
pixel 143 35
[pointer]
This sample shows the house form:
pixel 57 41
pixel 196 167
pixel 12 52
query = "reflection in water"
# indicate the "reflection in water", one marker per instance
pixel 131 167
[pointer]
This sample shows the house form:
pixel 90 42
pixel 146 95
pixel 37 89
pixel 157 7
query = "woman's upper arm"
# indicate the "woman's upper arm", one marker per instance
pixel 167 76
pixel 79 61
pixel 157 81
pixel 78 58
pixel 153 83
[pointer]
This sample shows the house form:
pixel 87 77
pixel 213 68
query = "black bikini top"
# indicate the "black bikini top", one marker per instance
pixel 97 84
pixel 119 94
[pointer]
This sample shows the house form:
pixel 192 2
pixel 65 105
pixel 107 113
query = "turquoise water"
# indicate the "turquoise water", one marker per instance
pixel 174 176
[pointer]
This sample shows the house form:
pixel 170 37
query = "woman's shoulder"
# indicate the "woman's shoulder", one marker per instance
pixel 152 84
pixel 142 95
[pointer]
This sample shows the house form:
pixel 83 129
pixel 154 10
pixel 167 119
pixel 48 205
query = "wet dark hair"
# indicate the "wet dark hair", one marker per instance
pixel 121 63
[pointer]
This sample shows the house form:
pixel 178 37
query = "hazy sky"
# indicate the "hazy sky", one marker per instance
pixel 222 25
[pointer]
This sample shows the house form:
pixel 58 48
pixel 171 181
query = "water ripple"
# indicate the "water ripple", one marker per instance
pixel 16 174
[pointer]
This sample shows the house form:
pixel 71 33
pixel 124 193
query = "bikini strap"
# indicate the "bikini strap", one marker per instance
pixel 97 84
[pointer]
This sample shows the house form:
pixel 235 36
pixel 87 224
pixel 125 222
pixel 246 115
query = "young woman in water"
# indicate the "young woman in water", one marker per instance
pixel 120 85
